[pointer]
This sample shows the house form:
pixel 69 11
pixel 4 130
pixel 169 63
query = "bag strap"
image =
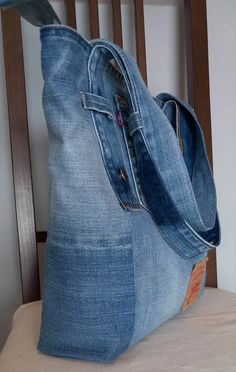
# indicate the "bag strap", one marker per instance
pixel 127 66
pixel 180 234
pixel 37 12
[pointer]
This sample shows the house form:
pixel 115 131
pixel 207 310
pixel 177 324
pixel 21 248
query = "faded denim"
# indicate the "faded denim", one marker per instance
pixel 129 214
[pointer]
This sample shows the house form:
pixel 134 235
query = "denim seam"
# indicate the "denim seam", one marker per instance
pixel 135 299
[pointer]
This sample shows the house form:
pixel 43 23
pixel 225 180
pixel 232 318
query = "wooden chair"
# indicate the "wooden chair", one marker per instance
pixel 200 339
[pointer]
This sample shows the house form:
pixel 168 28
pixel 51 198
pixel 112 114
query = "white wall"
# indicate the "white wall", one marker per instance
pixel 10 291
pixel 166 72
pixel 222 58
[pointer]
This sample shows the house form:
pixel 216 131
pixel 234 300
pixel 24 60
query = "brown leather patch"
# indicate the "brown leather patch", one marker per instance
pixel 195 283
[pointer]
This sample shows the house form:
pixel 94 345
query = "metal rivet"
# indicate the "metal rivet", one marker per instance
pixel 124 174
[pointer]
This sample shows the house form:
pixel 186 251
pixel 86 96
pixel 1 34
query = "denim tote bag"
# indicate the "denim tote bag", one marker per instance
pixel 132 209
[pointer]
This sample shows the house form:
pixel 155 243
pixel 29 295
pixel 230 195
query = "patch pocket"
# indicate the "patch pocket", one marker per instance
pixel 88 309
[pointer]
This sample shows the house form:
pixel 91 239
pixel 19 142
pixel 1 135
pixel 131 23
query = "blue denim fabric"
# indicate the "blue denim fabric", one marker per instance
pixel 39 13
pixel 132 197
pixel 129 214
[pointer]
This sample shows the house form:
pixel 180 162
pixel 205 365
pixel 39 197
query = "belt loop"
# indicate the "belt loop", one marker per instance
pixel 94 102
pixel 134 123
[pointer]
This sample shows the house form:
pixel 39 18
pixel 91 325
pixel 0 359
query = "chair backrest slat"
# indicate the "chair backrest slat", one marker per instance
pixel 140 37
pixel 71 13
pixel 18 125
pixel 94 19
pixel 198 86
pixel 117 24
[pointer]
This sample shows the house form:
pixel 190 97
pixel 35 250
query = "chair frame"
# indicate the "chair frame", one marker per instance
pixel 198 95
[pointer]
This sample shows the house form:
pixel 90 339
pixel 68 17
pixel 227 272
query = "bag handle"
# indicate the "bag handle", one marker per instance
pixel 180 234
pixel 37 12
pixel 128 67
pixel 175 229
